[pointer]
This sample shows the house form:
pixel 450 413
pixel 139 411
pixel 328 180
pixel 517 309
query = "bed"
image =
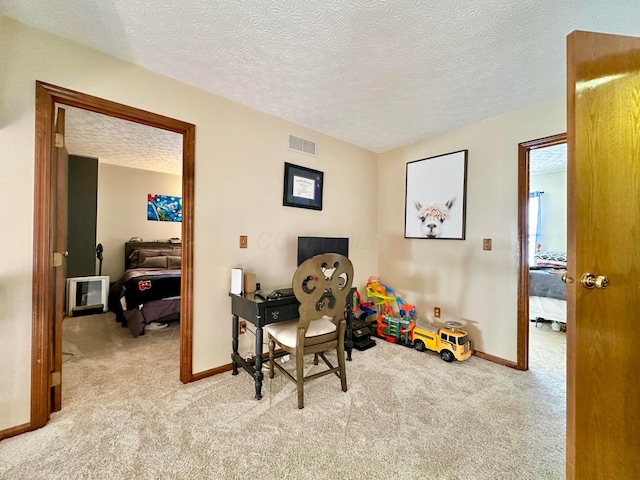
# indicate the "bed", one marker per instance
pixel 148 293
pixel 547 292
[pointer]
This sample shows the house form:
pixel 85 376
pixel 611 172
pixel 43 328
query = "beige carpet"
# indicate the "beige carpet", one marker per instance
pixel 407 415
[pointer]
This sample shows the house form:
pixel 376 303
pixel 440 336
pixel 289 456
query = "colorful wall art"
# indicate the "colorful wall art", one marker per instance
pixel 164 208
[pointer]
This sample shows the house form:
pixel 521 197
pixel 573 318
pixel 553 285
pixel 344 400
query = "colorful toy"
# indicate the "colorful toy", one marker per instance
pixel 451 341
pixel 363 307
pixel 382 293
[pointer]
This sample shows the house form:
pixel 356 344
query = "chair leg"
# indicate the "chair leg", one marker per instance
pixel 300 377
pixel 343 367
pixel 315 359
pixel 272 346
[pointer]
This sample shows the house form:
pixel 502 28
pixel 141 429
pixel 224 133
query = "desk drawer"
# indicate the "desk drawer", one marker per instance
pixel 281 313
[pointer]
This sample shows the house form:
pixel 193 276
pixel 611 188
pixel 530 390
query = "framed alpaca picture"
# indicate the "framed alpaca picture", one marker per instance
pixel 435 199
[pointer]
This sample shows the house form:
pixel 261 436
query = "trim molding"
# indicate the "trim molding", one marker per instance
pixel 47 96
pixel 491 358
pixel 17 430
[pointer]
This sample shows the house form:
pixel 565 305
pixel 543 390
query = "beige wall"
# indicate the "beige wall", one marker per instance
pixel 238 191
pixel 476 287
pixel 122 211
pixel 240 155
pixel 554 209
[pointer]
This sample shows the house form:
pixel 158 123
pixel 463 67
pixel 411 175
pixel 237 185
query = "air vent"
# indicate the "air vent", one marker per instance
pixel 302 145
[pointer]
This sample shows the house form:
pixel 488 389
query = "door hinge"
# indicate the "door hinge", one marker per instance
pixel 59 140
pixel 56 379
pixel 57 258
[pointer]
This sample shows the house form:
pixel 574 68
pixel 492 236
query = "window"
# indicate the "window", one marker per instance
pixel 534 224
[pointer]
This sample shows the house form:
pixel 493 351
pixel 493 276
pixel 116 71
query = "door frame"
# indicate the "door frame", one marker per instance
pixel 524 149
pixel 47 96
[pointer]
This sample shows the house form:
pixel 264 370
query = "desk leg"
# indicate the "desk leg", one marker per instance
pixel 258 365
pixel 234 344
pixel 348 341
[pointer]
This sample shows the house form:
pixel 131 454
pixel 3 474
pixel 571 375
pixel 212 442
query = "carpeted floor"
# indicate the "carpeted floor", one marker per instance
pixel 406 415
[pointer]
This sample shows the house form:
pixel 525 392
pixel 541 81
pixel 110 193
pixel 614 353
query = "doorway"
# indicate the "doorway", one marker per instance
pixel 43 374
pixel 114 165
pixel 524 172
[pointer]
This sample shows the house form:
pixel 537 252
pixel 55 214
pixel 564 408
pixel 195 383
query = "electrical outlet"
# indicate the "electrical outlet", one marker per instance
pixel 243 241
pixel 486 244
pixel 242 327
pixel 436 312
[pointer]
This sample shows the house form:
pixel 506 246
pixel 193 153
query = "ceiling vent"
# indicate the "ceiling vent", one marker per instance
pixel 302 145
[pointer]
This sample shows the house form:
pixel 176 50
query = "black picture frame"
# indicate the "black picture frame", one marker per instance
pixel 302 187
pixel 436 197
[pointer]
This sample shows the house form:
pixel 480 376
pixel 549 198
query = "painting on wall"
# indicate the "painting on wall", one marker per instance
pixel 164 208
pixel 435 200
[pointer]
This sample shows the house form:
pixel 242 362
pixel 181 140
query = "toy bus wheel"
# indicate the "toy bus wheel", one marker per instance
pixel 419 345
pixel 446 355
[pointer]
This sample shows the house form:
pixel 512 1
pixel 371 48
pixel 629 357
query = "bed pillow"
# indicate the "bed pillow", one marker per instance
pixel 154 262
pixel 174 262
pixel 138 256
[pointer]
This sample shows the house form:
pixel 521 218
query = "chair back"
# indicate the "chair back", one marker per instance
pixel 321 285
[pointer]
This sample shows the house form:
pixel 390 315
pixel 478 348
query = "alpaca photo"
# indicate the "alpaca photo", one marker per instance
pixel 435 197
pixel 433 216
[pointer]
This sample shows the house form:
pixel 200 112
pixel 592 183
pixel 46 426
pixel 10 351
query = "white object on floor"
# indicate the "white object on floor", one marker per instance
pixel 156 326
pixel 555 326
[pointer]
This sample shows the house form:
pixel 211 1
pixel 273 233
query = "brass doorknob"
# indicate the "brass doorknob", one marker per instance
pixel 602 282
pixel 566 279
pixel 589 280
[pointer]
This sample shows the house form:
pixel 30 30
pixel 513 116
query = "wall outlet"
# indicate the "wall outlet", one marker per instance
pixel 436 312
pixel 243 241
pixel 242 327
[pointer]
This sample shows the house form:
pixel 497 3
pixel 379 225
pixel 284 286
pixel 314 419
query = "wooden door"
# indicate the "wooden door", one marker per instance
pixel 603 203
pixel 59 188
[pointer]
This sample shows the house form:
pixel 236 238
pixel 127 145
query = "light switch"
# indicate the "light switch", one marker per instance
pixel 243 241
pixel 486 244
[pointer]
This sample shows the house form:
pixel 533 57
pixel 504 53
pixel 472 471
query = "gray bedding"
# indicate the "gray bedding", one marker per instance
pixel 546 284
pixel 154 311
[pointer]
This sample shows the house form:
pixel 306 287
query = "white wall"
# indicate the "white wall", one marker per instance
pixel 476 287
pixel 554 209
pixel 122 211
pixel 239 167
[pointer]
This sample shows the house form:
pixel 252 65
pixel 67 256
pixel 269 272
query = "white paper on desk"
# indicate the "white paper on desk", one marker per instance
pixel 236 281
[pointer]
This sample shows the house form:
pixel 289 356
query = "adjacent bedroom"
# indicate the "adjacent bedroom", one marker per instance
pixel 124 241
pixel 547 242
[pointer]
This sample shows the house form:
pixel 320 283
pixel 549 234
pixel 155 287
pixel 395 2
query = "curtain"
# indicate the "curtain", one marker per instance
pixel 535 223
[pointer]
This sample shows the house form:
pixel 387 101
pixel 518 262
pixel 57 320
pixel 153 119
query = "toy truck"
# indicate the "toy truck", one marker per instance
pixel 451 341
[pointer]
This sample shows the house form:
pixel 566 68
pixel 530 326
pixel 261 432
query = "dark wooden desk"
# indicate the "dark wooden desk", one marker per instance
pixel 263 312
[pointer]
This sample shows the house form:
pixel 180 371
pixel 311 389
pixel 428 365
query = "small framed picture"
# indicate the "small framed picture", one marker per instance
pixel 302 187
pixel 435 201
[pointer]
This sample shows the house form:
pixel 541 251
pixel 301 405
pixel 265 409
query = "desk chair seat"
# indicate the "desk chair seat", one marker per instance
pixel 321 285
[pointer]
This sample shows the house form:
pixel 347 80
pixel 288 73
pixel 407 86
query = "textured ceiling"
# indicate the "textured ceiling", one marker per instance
pixel 379 73
pixel 548 159
pixel 120 142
